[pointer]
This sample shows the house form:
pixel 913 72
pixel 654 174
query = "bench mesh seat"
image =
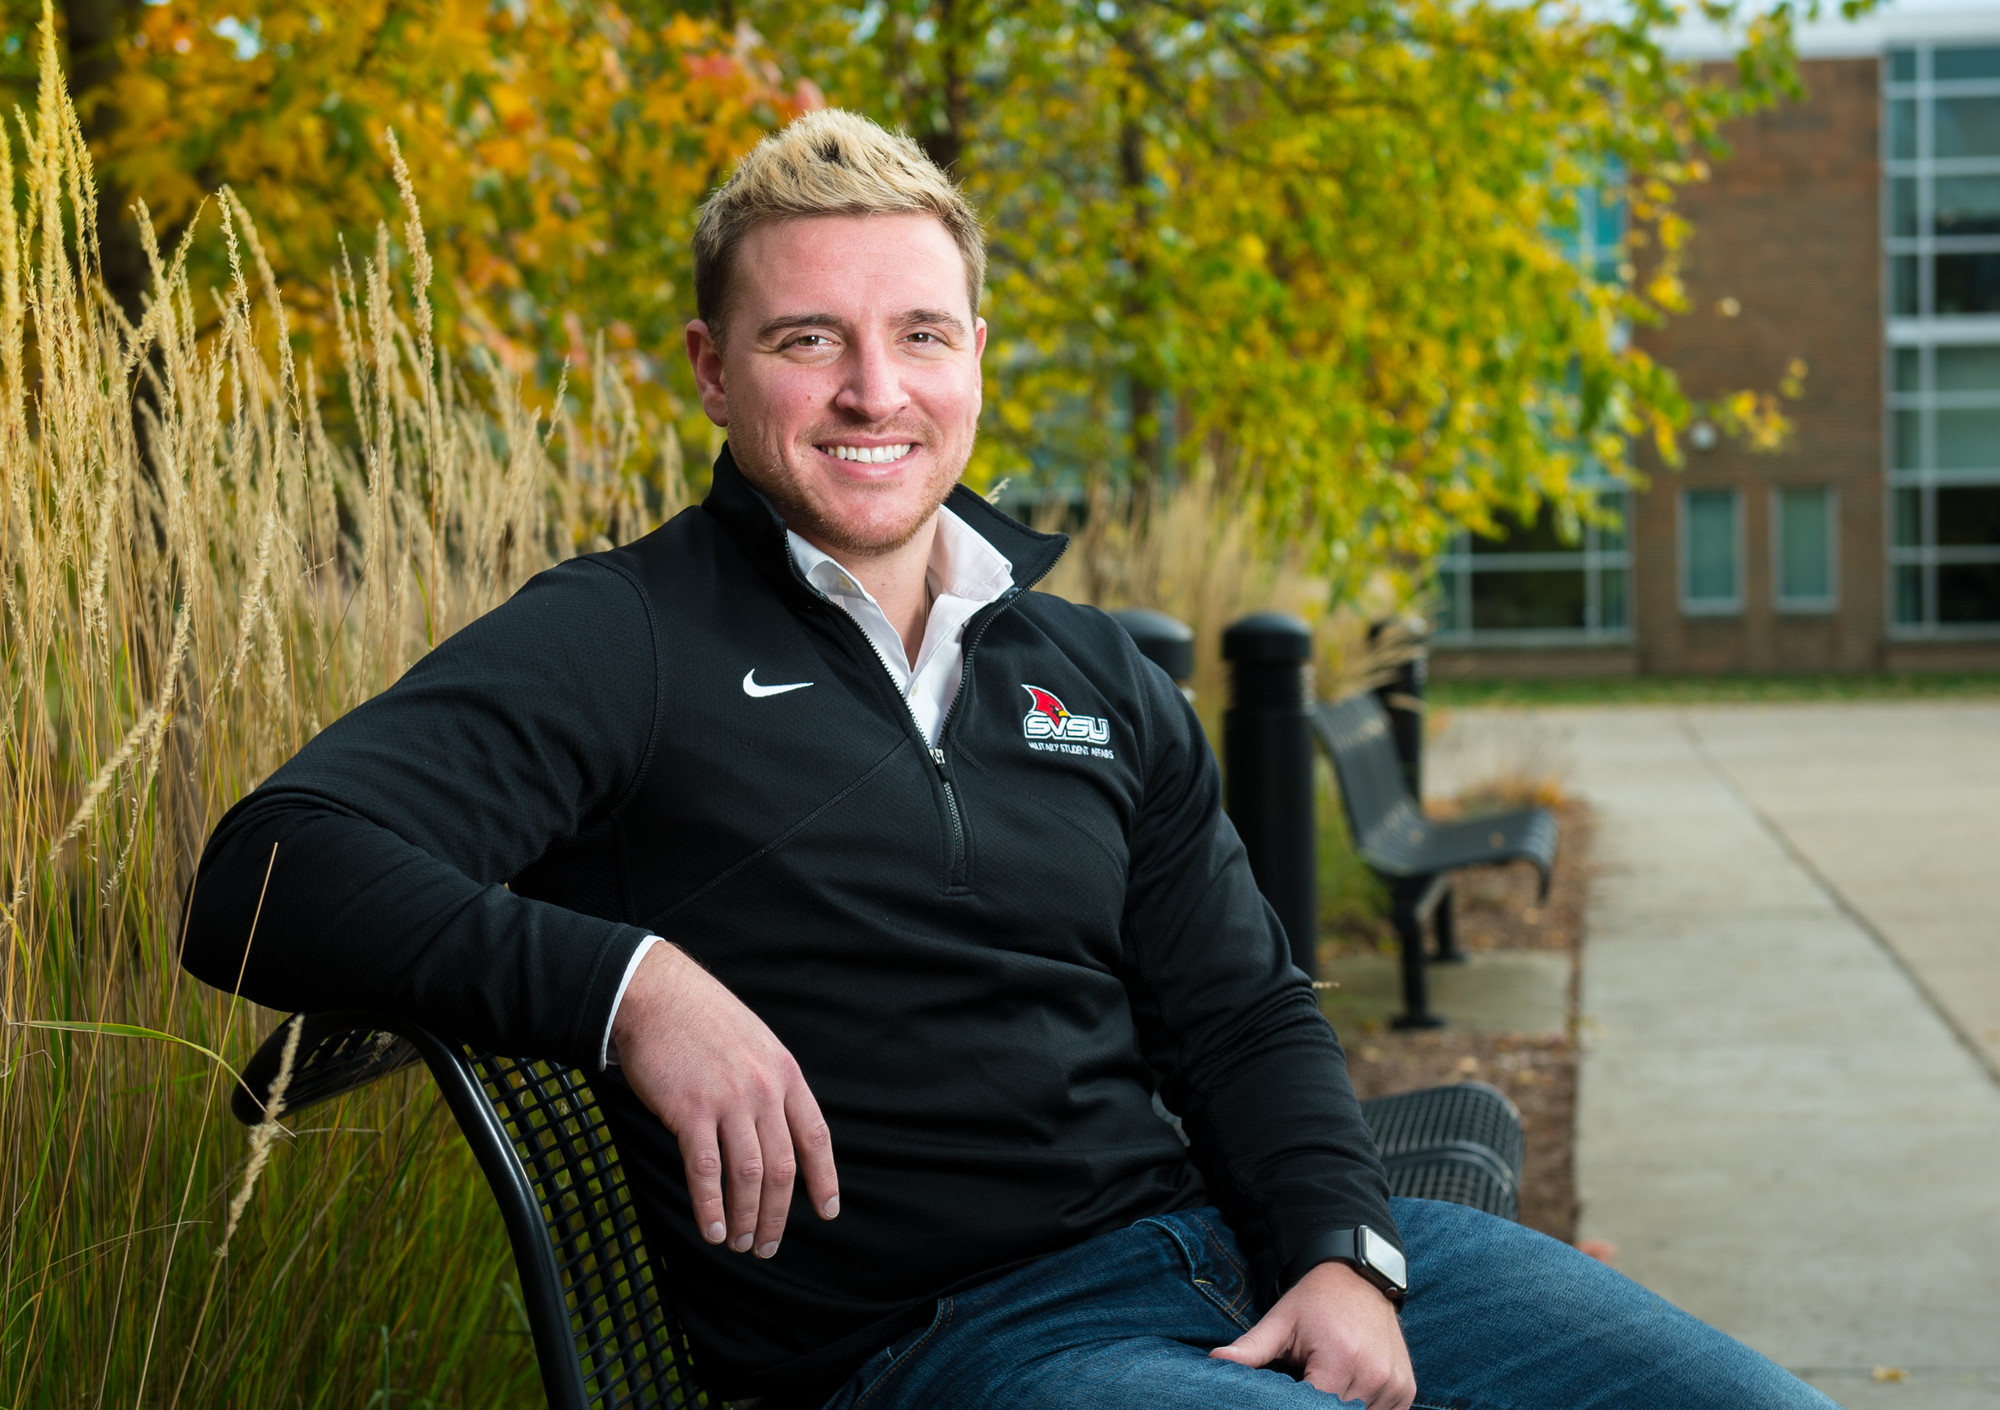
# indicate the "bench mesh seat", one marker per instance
pixel 604 1337
pixel 1461 1144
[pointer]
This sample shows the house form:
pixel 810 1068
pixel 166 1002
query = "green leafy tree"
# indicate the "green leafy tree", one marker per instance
pixel 1323 246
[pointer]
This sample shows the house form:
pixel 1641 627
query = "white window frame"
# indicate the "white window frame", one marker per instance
pixel 1805 606
pixel 1924 334
pixel 1710 606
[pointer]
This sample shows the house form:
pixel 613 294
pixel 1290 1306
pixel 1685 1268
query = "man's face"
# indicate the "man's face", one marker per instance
pixel 849 382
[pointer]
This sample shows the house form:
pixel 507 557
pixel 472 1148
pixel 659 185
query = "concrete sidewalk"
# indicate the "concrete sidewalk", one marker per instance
pixel 1788 1117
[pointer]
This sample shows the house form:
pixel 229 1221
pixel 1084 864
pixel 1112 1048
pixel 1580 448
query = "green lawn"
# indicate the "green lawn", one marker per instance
pixel 1693 690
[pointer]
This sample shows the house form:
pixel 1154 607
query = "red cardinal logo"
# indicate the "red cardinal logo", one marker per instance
pixel 1048 719
pixel 1045 703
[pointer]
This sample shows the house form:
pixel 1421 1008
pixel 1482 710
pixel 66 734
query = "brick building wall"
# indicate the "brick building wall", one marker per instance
pixel 1788 228
pixel 1786 262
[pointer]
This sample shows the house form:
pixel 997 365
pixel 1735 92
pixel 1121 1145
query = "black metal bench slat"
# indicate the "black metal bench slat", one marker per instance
pixel 604 1337
pixel 1390 830
pixel 1415 854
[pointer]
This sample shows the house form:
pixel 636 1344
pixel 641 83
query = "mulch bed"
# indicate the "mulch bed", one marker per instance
pixel 1498 910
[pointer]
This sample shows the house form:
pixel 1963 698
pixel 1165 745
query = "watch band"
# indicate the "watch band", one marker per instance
pixel 1365 1251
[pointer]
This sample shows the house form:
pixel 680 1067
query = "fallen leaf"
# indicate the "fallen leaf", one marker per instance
pixel 1890 1373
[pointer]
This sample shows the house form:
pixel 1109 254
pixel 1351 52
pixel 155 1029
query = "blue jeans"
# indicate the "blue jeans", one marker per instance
pixel 1500 1318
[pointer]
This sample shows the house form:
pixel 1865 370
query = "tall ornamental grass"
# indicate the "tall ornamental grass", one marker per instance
pixel 201 563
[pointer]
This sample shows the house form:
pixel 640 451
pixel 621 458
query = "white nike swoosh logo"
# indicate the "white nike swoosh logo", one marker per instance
pixel 758 692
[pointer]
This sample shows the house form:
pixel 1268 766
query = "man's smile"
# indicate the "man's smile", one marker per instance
pixel 867 455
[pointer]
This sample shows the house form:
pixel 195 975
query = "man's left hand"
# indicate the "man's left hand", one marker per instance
pixel 1340 1329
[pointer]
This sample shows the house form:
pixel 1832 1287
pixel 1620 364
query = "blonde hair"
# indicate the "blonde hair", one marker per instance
pixel 826 162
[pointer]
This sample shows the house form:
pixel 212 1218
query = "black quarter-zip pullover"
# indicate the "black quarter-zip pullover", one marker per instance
pixel 986 956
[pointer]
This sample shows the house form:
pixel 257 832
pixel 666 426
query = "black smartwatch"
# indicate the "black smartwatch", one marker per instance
pixel 1366 1252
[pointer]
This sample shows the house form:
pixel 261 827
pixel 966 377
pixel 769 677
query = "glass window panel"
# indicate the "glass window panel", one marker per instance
pixel 1965 127
pixel 1902 207
pixel 1968 592
pixel 1908 517
pixel 1968 516
pixel 1909 369
pixel 1970 369
pixel 1446 601
pixel 1542 536
pixel 1902 66
pixel 1805 544
pixel 1962 205
pixel 1948 64
pixel 1903 286
pixel 1710 525
pixel 1611 599
pixel 1909 440
pixel 1903 130
pixel 1967 283
pixel 1543 600
pixel 1611 538
pixel 1909 594
pixel 1968 439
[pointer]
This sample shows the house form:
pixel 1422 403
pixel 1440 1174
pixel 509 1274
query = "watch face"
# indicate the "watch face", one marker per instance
pixel 1381 1255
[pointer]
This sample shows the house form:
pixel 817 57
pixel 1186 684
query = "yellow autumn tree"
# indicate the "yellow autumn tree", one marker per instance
pixel 560 150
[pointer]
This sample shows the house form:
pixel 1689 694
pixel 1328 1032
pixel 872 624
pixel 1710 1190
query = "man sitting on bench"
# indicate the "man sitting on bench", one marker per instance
pixel 892 893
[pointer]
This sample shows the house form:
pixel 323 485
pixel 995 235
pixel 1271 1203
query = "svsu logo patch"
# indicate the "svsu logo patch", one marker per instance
pixel 1051 725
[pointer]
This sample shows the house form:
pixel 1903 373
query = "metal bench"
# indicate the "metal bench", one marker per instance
pixel 604 1337
pixel 1416 855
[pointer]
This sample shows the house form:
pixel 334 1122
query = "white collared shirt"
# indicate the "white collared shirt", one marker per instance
pixel 965 573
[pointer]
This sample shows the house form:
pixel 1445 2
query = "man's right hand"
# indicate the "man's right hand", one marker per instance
pixel 732 1095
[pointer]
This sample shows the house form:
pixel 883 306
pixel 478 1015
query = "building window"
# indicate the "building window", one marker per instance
pixel 1711 552
pixel 1536 584
pixel 1803 548
pixel 1942 141
pixel 1942 238
pixel 1944 488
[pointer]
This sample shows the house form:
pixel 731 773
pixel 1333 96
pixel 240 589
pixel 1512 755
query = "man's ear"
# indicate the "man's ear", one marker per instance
pixel 707 360
pixel 978 337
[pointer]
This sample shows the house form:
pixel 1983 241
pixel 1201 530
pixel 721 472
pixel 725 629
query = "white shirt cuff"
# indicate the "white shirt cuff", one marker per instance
pixel 607 1051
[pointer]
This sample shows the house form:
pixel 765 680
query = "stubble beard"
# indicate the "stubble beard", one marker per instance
pixel 765 466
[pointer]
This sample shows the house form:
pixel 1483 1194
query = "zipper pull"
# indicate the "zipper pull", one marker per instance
pixel 937 757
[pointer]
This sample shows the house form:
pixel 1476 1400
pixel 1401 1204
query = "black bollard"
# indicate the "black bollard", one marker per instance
pixel 1167 642
pixel 1267 752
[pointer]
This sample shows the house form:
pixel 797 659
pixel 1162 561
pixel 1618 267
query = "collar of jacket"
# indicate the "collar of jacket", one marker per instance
pixel 757 527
